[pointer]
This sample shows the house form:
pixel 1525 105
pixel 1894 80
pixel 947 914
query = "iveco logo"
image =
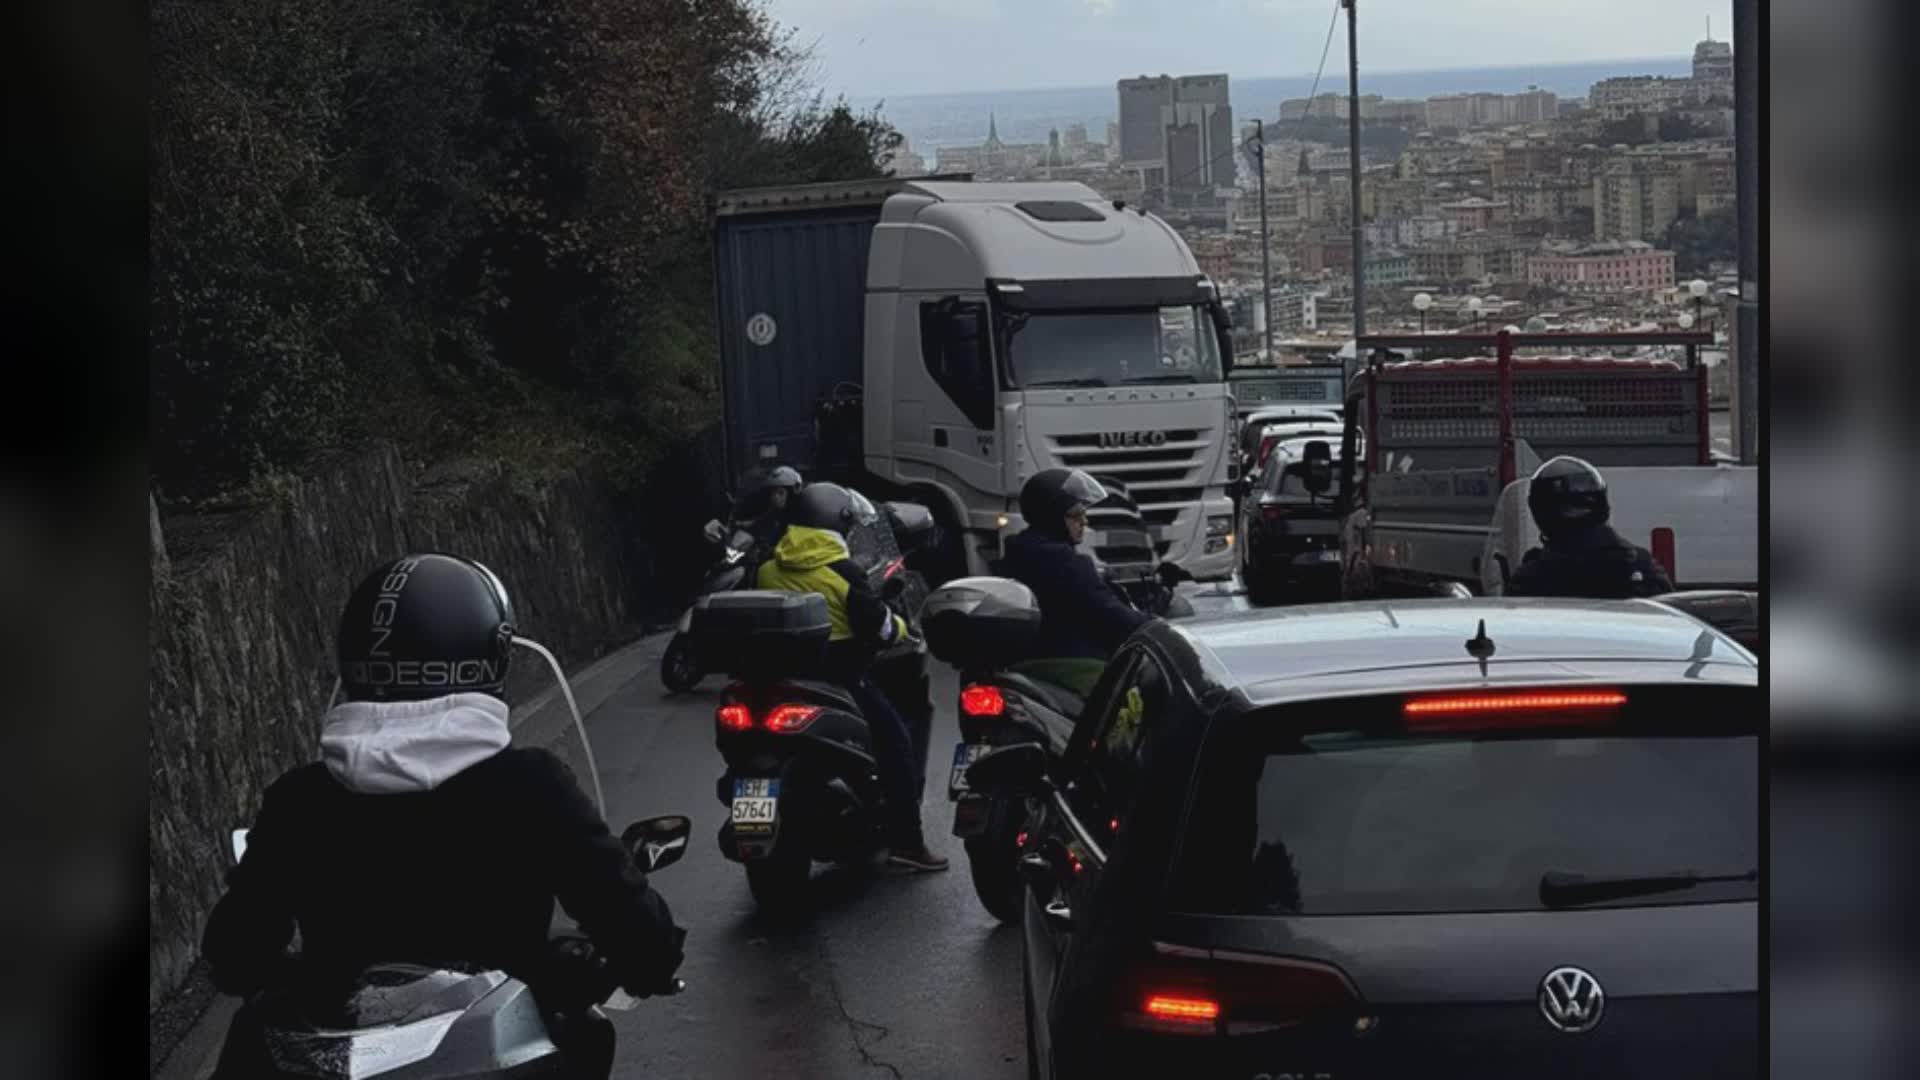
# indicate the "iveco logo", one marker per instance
pixel 1571 1000
pixel 1113 440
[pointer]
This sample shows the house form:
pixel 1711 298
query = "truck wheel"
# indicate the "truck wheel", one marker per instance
pixel 679 670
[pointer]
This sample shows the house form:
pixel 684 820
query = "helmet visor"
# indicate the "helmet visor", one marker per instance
pixel 1082 490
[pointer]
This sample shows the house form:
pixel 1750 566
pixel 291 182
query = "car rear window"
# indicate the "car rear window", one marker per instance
pixel 1310 815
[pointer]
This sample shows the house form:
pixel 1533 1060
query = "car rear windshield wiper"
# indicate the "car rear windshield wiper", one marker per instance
pixel 1050 383
pixel 1571 890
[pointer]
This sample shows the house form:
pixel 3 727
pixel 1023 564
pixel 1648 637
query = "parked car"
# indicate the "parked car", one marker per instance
pixel 1478 837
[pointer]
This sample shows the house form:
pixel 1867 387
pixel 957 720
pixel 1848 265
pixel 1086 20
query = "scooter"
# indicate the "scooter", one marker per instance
pixel 801 784
pixel 411 1022
pixel 982 626
pixel 681 668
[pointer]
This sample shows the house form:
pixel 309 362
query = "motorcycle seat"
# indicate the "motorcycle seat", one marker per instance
pixel 1057 698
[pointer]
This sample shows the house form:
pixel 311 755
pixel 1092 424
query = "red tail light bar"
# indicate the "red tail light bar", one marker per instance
pixel 781 719
pixel 1489 709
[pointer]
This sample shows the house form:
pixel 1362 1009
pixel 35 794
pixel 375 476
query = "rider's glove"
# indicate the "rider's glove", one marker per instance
pixel 715 532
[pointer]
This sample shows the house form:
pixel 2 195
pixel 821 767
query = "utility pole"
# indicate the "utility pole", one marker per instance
pixel 1746 165
pixel 1353 138
pixel 1266 263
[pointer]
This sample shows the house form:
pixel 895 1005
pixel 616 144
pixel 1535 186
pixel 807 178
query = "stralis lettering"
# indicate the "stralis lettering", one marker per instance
pixel 387 605
pixel 443 673
pixel 1113 440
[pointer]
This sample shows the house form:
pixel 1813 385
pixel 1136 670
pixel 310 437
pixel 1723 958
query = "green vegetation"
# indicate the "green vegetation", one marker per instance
pixel 1697 241
pixel 476 226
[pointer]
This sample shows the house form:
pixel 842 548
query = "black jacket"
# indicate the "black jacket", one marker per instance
pixel 1079 614
pixel 1595 564
pixel 463 871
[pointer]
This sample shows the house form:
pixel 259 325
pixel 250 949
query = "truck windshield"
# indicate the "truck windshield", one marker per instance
pixel 1112 348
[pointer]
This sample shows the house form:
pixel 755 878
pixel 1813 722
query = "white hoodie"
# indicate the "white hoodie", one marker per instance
pixel 391 747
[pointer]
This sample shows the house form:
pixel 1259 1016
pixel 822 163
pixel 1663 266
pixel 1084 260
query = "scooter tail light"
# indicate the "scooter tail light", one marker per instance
pixel 733 716
pixel 790 719
pixel 983 701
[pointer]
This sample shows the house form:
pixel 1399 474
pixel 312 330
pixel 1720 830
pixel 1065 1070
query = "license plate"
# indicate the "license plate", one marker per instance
pixel 964 755
pixel 1312 526
pixel 756 805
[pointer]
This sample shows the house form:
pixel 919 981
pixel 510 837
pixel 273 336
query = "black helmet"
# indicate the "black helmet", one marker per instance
pixel 830 507
pixel 425 626
pixel 1046 499
pixel 758 484
pixel 1567 493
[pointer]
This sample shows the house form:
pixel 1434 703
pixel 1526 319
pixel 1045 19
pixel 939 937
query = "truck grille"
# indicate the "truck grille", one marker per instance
pixel 1163 479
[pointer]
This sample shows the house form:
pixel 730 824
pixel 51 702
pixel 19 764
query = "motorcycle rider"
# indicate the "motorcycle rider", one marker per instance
pixel 422 835
pixel 1080 614
pixel 1582 555
pixel 760 509
pixel 813 556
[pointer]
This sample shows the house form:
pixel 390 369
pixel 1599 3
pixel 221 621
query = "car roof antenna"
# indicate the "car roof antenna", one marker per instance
pixel 1481 648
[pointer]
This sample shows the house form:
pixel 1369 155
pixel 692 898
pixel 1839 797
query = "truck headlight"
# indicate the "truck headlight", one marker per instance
pixel 1221 525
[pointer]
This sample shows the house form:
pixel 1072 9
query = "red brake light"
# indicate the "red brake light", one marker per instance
pixel 982 701
pixel 787 719
pixel 1195 991
pixel 1272 512
pixel 1488 709
pixel 734 717
pixel 1662 539
pixel 1198 1010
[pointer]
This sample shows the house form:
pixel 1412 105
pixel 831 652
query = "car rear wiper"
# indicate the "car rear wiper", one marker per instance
pixel 1049 383
pixel 1571 890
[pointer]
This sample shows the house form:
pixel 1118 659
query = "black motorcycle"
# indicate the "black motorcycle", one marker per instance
pixel 801 784
pixel 681 667
pixel 983 626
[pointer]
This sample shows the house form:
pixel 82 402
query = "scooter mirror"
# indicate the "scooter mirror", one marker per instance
pixel 658 842
pixel 239 842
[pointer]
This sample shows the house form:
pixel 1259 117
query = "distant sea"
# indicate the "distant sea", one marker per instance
pixel 930 121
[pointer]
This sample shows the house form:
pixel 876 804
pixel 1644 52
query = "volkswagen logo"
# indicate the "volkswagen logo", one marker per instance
pixel 1571 1000
pixel 1113 440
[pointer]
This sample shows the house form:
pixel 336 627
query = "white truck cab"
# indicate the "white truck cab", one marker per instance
pixel 1010 328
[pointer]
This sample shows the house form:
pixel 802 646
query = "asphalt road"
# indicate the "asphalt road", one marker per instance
pixel 889 976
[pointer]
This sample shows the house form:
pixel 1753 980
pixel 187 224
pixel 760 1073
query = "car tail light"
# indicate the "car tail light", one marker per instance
pixel 1272 512
pixel 788 719
pixel 982 701
pixel 733 717
pixel 1211 992
pixel 1662 553
pixel 1198 1010
pixel 1479 710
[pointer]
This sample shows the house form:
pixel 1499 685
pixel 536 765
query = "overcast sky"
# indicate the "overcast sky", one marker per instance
pixel 872 48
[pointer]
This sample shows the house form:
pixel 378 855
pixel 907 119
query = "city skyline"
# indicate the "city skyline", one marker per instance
pixel 892 49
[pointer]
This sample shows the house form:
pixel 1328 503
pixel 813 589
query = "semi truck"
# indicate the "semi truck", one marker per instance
pixel 942 340
pixel 1438 453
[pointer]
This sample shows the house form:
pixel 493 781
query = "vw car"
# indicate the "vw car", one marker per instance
pixel 1448 838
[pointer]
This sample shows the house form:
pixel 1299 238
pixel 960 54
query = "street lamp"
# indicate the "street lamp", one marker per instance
pixel 1686 320
pixel 1421 302
pixel 1699 290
